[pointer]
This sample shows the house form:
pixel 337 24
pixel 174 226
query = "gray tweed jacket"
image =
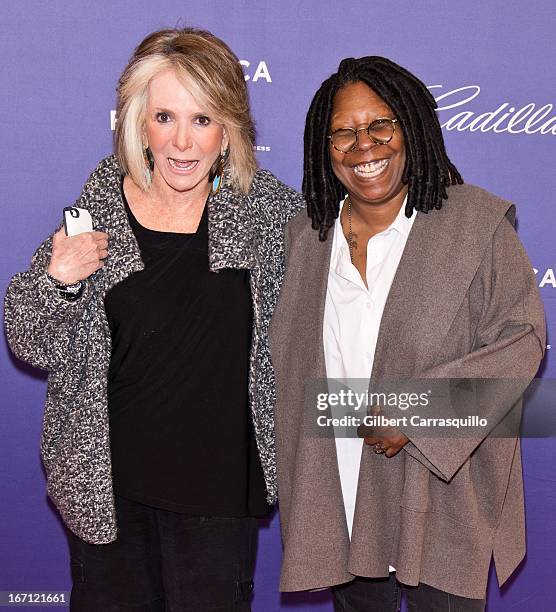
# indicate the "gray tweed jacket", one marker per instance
pixel 72 339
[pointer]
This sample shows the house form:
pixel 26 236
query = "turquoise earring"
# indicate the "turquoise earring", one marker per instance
pixel 218 177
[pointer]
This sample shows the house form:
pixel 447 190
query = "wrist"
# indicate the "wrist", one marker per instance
pixel 60 276
pixel 68 291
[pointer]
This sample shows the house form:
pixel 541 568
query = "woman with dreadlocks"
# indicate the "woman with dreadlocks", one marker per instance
pixel 400 270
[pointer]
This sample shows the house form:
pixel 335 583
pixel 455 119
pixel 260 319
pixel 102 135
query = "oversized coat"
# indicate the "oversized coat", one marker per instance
pixel 463 303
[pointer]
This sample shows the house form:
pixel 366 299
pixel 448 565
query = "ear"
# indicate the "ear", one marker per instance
pixel 225 141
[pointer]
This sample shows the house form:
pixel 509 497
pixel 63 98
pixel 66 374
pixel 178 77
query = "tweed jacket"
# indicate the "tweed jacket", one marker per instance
pixel 72 339
pixel 463 304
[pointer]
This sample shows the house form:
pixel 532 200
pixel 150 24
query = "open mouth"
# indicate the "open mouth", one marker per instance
pixel 182 164
pixel 371 169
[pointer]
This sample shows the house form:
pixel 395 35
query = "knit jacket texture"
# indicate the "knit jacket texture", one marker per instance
pixel 71 340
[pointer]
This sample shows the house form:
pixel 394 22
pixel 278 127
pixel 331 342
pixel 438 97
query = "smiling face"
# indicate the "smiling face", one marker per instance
pixel 183 137
pixel 372 173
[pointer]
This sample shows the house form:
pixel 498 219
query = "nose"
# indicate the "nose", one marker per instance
pixel 182 137
pixel 364 141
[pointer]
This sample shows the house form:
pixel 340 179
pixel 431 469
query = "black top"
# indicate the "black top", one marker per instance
pixel 180 427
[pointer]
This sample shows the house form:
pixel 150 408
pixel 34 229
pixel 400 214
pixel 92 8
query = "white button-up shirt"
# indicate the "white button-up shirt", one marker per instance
pixel 352 318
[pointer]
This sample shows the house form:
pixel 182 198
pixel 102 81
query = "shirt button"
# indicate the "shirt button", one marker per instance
pixel 369 305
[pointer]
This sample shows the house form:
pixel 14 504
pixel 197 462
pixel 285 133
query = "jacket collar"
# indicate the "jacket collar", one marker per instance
pixel 232 241
pixel 231 236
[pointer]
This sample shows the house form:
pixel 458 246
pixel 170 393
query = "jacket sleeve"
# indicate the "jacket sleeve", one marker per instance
pixel 37 319
pixel 509 345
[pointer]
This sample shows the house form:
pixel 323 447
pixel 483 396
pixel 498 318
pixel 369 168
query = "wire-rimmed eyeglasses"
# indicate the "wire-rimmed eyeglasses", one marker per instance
pixel 380 131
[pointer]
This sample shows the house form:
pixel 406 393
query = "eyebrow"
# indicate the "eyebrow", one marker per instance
pixel 167 110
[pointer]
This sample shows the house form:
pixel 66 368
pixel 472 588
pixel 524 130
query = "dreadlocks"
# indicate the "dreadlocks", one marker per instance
pixel 428 170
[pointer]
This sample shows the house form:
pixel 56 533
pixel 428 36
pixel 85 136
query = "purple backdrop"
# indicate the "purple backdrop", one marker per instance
pixel 60 63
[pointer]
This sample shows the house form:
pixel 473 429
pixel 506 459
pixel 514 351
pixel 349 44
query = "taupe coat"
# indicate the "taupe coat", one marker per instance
pixel 463 303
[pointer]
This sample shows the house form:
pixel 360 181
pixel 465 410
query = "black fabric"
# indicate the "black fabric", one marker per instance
pixel 164 561
pixel 365 594
pixel 424 598
pixel 385 595
pixel 180 428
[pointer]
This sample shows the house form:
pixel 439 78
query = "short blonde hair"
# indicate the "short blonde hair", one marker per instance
pixel 211 72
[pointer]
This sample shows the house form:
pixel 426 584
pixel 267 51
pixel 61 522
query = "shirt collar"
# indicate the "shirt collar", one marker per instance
pixel 401 224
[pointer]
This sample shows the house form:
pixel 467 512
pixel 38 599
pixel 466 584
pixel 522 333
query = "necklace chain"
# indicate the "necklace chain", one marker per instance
pixel 350 233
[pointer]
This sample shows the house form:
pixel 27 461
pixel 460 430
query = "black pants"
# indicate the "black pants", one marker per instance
pixel 384 595
pixel 165 561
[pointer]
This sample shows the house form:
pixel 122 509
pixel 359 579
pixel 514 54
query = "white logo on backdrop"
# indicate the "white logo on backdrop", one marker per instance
pixel 261 71
pixel 547 278
pixel 505 118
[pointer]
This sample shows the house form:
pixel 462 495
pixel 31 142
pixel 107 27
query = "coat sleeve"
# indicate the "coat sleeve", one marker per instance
pixel 38 321
pixel 509 345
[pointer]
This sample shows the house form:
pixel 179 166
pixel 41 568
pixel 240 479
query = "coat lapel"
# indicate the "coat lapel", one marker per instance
pixel 442 254
pixel 411 320
pixel 297 321
pixel 124 257
pixel 232 241
pixel 231 238
pixel 309 484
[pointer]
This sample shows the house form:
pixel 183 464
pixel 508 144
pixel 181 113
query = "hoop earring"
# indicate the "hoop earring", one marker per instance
pixel 149 164
pixel 217 178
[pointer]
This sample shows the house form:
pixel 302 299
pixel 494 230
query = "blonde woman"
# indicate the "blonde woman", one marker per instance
pixel 158 437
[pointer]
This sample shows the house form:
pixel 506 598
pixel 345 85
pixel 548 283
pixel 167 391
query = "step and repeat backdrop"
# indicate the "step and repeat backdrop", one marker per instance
pixel 489 64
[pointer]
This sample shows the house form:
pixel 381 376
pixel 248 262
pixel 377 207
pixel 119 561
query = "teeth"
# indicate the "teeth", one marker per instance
pixel 372 168
pixel 182 165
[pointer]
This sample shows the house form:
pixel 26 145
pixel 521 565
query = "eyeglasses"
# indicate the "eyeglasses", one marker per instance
pixel 380 131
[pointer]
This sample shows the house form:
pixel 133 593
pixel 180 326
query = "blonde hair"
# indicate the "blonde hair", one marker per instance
pixel 211 72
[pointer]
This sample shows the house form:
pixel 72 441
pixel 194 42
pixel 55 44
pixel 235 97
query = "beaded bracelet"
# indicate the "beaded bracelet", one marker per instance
pixel 69 292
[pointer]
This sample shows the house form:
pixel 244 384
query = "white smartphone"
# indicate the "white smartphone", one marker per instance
pixel 77 221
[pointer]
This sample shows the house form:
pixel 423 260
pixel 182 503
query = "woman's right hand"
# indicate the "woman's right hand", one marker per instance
pixel 75 258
